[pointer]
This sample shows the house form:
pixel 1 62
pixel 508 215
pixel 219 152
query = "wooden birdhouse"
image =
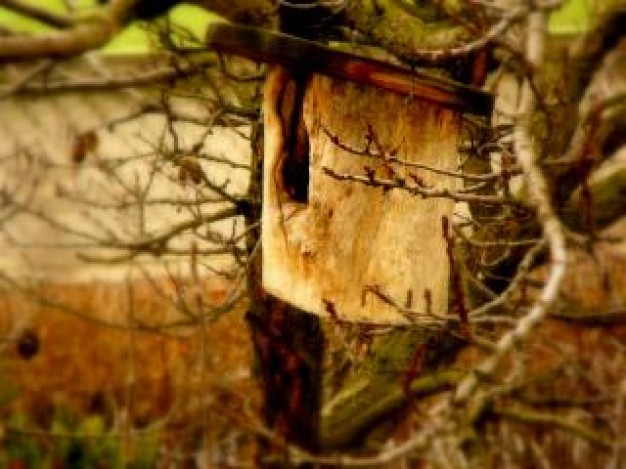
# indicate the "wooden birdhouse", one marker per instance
pixel 357 160
pixel 349 226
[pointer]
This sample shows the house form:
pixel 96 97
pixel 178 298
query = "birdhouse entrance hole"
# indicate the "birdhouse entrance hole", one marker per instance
pixel 343 214
pixel 293 171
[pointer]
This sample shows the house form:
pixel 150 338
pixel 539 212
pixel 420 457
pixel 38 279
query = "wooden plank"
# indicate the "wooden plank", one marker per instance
pixel 299 54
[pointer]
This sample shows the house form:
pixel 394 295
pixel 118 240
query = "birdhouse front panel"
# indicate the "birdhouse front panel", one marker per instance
pixel 339 237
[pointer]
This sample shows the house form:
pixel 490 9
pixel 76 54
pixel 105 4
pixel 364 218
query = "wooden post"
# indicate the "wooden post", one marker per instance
pixel 332 231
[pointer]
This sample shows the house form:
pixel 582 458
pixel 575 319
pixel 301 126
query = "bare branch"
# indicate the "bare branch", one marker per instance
pixel 418 190
pixel 29 84
pixel 552 229
pixel 87 34
pixel 537 418
pixel 43 15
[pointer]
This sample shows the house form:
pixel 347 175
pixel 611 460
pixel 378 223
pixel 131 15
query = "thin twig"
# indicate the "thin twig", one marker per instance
pixel 418 190
pixel 541 418
pixel 495 32
pixel 552 230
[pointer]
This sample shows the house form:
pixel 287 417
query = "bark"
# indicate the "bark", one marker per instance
pixel 403 365
pixel 288 343
pixel 288 347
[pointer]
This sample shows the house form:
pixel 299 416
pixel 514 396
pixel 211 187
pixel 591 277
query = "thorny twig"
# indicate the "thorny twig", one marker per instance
pixel 390 157
pixel 551 225
pixel 418 189
pixel 522 271
pixel 507 20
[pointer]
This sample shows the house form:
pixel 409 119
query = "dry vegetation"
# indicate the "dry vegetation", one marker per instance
pixel 188 383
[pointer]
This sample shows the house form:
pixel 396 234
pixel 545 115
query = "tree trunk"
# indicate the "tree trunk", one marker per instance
pixel 288 347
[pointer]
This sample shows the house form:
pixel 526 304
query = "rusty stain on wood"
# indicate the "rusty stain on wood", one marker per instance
pixel 348 236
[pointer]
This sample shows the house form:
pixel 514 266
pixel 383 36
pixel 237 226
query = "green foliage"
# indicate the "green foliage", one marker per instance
pixel 573 17
pixel 73 441
pixel 134 39
pixel 146 448
pixel 20 447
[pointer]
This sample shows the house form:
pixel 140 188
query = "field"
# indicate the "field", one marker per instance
pixel 81 393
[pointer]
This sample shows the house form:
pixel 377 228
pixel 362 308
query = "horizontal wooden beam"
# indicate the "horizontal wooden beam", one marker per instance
pixel 263 45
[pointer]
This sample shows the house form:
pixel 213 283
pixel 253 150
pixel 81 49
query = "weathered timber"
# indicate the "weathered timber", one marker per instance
pixel 323 253
pixel 288 346
pixel 403 365
pixel 299 54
